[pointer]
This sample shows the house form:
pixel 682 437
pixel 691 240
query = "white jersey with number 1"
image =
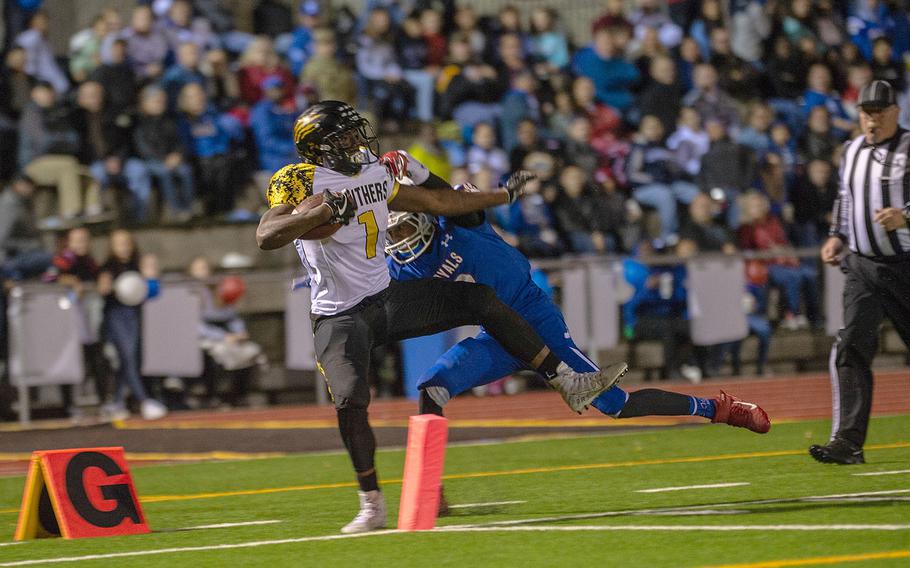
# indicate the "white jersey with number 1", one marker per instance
pixel 350 265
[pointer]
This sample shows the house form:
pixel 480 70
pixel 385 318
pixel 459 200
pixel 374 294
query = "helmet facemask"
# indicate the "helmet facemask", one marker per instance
pixel 409 235
pixel 348 150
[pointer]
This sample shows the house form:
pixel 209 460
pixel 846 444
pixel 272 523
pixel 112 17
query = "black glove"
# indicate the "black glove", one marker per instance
pixel 516 183
pixel 341 204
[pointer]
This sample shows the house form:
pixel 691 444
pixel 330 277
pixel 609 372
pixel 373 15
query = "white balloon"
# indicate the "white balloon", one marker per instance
pixel 131 289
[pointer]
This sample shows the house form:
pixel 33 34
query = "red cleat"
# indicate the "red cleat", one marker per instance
pixel 730 410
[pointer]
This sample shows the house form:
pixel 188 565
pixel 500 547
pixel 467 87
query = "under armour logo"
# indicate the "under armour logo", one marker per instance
pixel 446 239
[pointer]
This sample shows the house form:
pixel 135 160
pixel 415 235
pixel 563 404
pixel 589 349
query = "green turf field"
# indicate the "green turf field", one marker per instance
pixel 574 502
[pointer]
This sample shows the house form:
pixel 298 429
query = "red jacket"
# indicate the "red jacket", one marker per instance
pixel 767 234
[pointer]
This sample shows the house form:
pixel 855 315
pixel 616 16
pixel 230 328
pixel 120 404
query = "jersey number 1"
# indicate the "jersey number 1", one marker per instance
pixel 368 220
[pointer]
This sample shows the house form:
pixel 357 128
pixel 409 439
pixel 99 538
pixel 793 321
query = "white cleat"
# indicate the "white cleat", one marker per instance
pixel 580 389
pixel 372 515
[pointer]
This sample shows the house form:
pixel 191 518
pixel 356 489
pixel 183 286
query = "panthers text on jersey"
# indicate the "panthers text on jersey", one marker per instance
pixel 475 254
pixel 350 265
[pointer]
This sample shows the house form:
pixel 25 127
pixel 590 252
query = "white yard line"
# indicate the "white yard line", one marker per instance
pixel 229 525
pixel 687 487
pixel 895 472
pixel 253 544
pixel 510 526
pixel 680 528
pixel 11 543
pixel 490 504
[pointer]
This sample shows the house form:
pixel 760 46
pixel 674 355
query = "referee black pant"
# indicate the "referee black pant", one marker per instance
pixel 873 289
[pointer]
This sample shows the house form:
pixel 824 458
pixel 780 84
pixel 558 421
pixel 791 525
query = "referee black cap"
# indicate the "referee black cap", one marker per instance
pixel 877 94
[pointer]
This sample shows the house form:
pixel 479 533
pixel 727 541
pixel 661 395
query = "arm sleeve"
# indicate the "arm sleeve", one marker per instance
pixel 843 205
pixel 417 171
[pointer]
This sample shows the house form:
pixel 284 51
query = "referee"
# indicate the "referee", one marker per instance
pixel 870 219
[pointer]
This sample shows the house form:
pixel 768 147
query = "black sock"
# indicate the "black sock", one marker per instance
pixel 360 442
pixel 656 402
pixel 427 405
pixel 548 367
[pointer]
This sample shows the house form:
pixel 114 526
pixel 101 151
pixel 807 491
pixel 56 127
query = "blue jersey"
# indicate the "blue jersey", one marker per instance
pixel 475 254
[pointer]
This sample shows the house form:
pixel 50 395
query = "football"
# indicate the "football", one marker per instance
pixel 322 231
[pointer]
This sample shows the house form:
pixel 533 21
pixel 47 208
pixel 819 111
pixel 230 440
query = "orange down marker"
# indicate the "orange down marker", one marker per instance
pixel 423 465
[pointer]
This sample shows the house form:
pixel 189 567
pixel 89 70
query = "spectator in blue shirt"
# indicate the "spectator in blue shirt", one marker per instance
pixel 209 135
pixel 820 93
pixel 603 63
pixel 520 103
pixel 272 120
pixel 301 48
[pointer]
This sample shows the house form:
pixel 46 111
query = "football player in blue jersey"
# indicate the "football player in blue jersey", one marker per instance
pixel 466 248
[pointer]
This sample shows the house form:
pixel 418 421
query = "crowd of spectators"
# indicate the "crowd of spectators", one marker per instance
pixel 685 126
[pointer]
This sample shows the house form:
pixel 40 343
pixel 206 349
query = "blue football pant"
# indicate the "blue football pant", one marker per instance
pixel 480 360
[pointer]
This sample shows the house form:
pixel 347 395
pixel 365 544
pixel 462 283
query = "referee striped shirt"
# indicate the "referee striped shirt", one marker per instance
pixel 872 177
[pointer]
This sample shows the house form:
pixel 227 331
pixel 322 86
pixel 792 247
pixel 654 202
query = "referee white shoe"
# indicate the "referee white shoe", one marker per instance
pixel 580 389
pixel 372 515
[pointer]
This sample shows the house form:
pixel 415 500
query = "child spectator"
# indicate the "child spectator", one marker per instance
pixel 385 93
pixel 757 133
pixel 817 142
pixel 762 231
pixel 184 71
pixel 690 142
pixel 605 121
pixel 209 135
pixel 655 176
pixel 107 148
pixel 332 79
pixel 527 141
pixel 75 267
pixel 48 146
pixel 257 62
pixel 577 149
pixel 662 96
pixel 602 62
pixel 117 77
pixel 159 144
pixel 122 328
pixel 272 120
pixel 146 46
pixel 813 197
pixel 548 43
pixel 484 153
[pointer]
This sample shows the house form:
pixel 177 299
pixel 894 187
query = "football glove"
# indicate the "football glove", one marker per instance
pixel 516 184
pixel 396 162
pixel 341 204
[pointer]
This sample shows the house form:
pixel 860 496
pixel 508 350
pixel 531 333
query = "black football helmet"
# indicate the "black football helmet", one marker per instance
pixel 334 135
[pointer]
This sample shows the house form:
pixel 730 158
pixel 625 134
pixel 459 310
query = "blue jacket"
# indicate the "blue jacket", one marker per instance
pixel 210 134
pixel 613 78
pixel 648 302
pixel 273 130
pixel 175 78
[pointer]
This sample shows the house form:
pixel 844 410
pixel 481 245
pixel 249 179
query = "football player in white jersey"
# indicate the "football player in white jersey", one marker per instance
pixel 355 306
